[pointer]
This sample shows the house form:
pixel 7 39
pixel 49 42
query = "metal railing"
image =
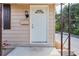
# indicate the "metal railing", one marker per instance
pixel 62 30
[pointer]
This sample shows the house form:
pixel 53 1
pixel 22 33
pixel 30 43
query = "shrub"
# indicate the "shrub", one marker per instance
pixel 58 26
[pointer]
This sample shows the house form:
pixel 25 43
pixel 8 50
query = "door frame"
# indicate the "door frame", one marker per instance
pixel 31 25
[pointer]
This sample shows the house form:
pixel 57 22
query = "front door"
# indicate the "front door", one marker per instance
pixel 39 23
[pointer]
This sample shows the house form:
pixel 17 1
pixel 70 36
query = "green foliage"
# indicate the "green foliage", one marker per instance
pixel 58 26
pixel 74 13
pixel 76 31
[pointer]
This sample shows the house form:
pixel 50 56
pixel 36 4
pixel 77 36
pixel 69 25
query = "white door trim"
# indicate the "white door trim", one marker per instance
pixel 31 24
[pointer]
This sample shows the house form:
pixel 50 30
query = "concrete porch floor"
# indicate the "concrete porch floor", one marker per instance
pixel 34 51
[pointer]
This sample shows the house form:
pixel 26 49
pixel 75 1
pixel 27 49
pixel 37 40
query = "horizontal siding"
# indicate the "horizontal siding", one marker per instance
pixel 18 34
pixel 51 24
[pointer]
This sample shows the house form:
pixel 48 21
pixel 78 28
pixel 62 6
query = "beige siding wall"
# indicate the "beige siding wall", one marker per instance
pixel 20 34
pixel 51 33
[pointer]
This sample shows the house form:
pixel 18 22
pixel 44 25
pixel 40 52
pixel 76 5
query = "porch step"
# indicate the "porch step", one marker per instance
pixel 34 51
pixel 39 45
pixel 29 45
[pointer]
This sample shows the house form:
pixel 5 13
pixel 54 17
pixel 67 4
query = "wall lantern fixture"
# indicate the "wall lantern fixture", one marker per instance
pixel 27 14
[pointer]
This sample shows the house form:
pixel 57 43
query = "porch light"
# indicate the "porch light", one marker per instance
pixel 27 14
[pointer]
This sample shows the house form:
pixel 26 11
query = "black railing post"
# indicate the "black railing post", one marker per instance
pixel 61 30
pixel 69 26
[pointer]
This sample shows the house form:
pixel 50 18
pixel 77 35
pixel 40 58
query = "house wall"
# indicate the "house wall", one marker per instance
pixel 51 22
pixel 19 35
